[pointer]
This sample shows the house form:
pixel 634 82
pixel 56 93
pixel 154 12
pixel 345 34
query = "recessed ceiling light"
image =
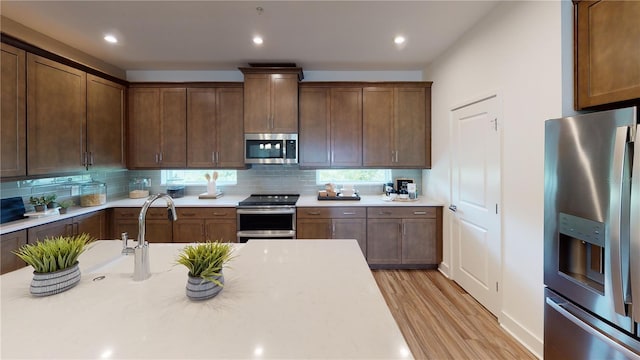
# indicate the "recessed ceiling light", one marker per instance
pixel 110 39
pixel 399 40
pixel 258 40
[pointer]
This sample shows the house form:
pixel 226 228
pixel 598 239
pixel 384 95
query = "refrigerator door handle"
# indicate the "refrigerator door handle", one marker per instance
pixel 634 229
pixel 587 323
pixel 616 262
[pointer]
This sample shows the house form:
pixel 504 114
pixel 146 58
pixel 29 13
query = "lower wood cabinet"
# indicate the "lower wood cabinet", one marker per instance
pixel 9 243
pixel 94 224
pixel 333 223
pixel 203 224
pixel 404 236
pixel 158 226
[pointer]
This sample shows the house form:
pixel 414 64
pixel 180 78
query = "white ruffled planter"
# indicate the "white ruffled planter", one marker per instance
pixel 200 289
pixel 45 284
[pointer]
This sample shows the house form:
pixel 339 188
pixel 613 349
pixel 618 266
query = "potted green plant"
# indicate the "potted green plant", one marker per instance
pixel 50 201
pixel 64 205
pixel 205 262
pixel 55 263
pixel 39 203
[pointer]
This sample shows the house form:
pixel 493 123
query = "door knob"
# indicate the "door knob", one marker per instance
pixel 453 208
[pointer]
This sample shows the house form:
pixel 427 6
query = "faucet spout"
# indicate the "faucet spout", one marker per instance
pixel 141 270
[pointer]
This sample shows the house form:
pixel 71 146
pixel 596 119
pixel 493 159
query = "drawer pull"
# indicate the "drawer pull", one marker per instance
pixel 313 213
pixel 127 214
pixel 188 214
pixel 419 213
pixel 219 214
pixel 348 213
pixel 384 213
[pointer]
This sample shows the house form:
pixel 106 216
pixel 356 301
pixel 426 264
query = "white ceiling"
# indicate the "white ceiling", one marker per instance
pixel 216 35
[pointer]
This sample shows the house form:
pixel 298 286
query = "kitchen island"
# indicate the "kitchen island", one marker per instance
pixel 292 299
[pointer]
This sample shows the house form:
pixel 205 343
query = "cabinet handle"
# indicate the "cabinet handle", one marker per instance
pixel 392 155
pixel 333 231
pixel 127 214
pixel 397 155
pixel 419 213
pixel 160 156
pixel 157 158
pixel 217 157
pixel 313 213
pixel 213 157
pixel 188 214
pixel 348 213
pixel 384 213
pixel 404 230
pixel 90 158
pixel 333 156
pixel 219 214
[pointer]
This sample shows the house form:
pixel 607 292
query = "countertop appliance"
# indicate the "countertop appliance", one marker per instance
pixel 267 216
pixel 271 148
pixel 592 236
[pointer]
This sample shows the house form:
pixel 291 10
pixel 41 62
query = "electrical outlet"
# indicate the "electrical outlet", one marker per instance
pixel 75 190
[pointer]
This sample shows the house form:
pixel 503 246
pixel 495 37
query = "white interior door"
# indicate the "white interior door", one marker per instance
pixel 475 201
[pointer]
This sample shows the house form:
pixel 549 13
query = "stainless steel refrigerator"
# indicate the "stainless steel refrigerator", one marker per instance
pixel 592 236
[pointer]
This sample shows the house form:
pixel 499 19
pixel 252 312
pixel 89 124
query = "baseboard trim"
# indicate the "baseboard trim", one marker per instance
pixel 444 270
pixel 522 334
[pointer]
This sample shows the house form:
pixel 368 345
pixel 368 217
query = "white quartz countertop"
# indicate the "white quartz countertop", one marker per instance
pixel 283 299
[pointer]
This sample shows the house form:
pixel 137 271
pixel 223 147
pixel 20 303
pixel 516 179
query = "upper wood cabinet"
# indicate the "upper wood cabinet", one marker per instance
pixel 105 123
pixel 330 126
pixel 397 125
pixel 56 108
pixel 271 100
pixel 157 127
pixel 215 127
pixel 13 144
pixel 607 52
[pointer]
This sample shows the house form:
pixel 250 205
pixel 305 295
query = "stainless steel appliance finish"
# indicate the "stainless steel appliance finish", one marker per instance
pixel 271 148
pixel 267 217
pixel 592 236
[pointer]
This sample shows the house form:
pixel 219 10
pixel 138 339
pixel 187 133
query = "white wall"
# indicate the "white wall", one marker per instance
pixel 515 51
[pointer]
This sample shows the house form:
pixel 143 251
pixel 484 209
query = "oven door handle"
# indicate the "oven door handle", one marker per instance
pixel 266 233
pixel 274 211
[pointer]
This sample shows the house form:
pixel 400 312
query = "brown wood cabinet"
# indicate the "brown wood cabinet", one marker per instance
pixel 205 224
pixel 397 125
pixel 410 236
pixel 215 131
pixel 13 123
pixel 94 224
pixel 9 243
pixel 333 223
pixel 105 124
pixel 159 228
pixel 330 126
pixel 56 108
pixel 607 54
pixel 271 100
pixel 157 127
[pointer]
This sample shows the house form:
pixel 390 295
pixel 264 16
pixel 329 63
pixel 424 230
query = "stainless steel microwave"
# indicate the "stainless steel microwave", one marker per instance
pixel 271 148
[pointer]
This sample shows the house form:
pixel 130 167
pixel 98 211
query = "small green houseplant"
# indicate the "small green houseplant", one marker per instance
pixel 64 205
pixel 39 203
pixel 205 262
pixel 55 262
pixel 50 201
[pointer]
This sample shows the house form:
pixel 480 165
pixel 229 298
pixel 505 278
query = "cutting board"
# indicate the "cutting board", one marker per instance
pixel 210 196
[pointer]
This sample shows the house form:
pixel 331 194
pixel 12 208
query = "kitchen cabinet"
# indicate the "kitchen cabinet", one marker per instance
pixel 333 223
pixel 205 224
pixel 606 52
pixel 330 126
pixel 157 127
pixel 271 100
pixel 397 125
pixel 215 131
pixel 94 224
pixel 8 243
pixel 13 122
pixel 56 108
pixel 105 124
pixel 404 236
pixel 159 228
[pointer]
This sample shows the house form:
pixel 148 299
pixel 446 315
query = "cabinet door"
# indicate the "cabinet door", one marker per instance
pixel 607 56
pixel 230 128
pixel 201 128
pixel 144 127
pixel 315 127
pixel 384 242
pixel 9 243
pixel 257 102
pixel 377 125
pixel 173 152
pixel 188 230
pixel 94 224
pixel 409 128
pixel 13 123
pixel 346 127
pixel 56 104
pixel 105 123
pixel 284 103
pixel 313 229
pixel 56 228
pixel 351 229
pixel 419 241
pixel 222 230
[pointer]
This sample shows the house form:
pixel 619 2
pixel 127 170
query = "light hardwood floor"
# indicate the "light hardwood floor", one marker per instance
pixel 440 320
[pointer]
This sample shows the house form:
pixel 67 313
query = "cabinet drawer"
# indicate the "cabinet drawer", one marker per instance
pixel 206 213
pixel 331 212
pixel 154 213
pixel 401 212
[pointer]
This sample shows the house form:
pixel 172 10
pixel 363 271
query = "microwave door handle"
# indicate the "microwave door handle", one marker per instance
pixel 617 201
pixel 634 227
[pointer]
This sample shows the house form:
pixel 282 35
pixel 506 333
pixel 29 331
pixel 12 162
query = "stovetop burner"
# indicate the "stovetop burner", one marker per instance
pixel 270 200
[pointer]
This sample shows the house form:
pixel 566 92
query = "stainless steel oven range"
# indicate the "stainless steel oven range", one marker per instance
pixel 267 216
